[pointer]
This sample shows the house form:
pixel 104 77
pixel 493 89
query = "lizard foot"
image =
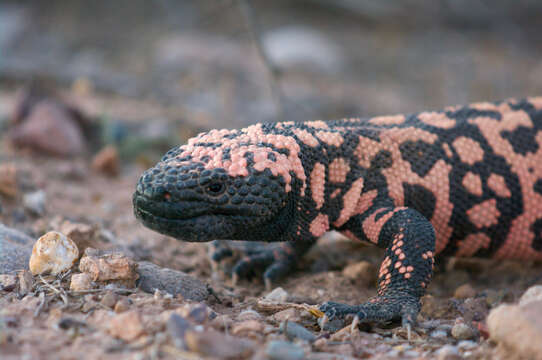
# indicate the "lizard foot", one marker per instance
pixel 276 260
pixel 380 309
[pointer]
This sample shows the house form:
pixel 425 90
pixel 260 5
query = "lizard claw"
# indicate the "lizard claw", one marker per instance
pixel 355 323
pixel 268 284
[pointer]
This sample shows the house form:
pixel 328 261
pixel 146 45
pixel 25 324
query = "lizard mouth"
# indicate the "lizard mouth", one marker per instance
pixel 189 221
pixel 168 210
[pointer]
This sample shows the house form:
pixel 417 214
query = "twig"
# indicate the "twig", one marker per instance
pixel 41 305
pixel 272 71
pixel 60 292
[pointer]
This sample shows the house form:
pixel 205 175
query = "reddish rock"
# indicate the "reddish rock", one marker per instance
pixel 107 161
pixel 8 180
pixel 80 282
pixel 105 266
pixel 126 326
pixel 49 128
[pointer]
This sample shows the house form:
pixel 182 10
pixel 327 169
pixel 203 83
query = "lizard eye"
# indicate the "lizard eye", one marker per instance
pixel 215 188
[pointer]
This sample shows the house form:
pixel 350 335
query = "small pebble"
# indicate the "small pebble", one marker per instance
pixel 293 330
pixel 80 282
pixel 8 180
pixel 177 327
pixel 248 315
pixel 126 326
pixel 107 161
pixel 438 334
pixel 467 344
pixel 26 282
pixel 222 322
pixel 8 282
pixel 283 350
pixel 122 305
pixel 291 314
pixel 35 202
pixel 53 253
pixel 215 344
pixel 244 328
pixel 462 331
pixel 109 299
pixel 448 352
pixel 464 291
pixel 278 295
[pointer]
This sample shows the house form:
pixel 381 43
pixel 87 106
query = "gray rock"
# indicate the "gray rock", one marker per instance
pixel 152 277
pixel 332 325
pixel 294 330
pixel 35 202
pixel 177 327
pixel 462 331
pixel 283 350
pixel 15 250
pixel 448 352
pixel 439 334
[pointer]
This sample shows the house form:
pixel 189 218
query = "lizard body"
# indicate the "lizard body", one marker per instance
pixel 465 181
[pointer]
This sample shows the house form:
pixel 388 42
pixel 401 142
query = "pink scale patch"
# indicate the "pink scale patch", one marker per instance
pixel 472 183
pixel 338 169
pixel 484 214
pixel 253 135
pixel 471 244
pixel 319 225
pixel 350 201
pixel 388 120
pixel 306 137
pixel 437 119
pixel 330 138
pixel 498 185
pixel 335 193
pixel 469 151
pixel 317 124
pixel 317 183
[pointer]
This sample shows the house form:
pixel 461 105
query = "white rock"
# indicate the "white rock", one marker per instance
pixel 53 253
pixel 534 293
pixel 301 46
pixel 278 295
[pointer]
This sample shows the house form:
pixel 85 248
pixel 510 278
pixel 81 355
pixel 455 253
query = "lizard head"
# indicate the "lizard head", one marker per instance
pixel 224 184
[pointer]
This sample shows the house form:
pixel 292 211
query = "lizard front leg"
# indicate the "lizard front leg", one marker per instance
pixel 276 259
pixel 407 268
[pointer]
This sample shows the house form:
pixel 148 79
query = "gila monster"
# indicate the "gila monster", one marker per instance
pixel 465 181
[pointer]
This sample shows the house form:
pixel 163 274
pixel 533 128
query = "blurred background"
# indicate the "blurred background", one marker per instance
pixel 196 62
